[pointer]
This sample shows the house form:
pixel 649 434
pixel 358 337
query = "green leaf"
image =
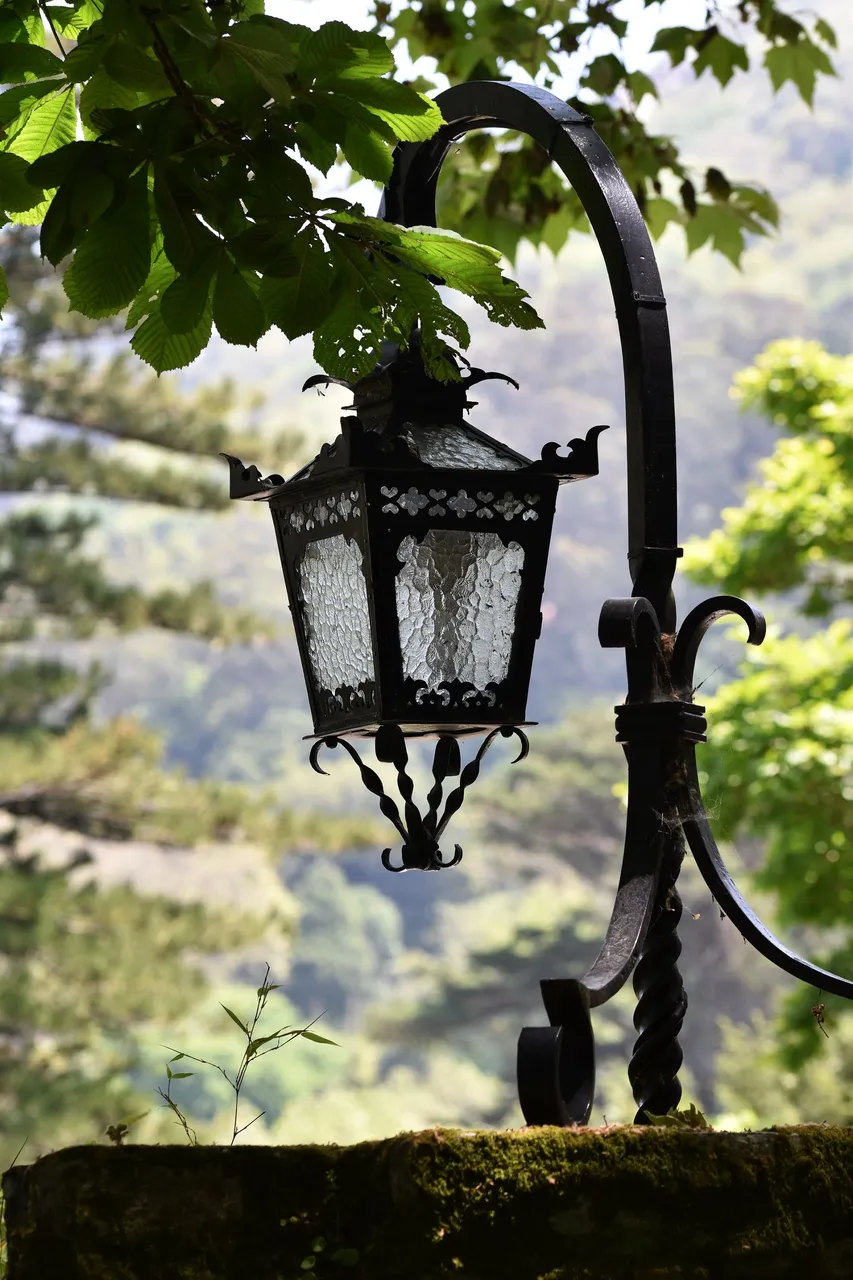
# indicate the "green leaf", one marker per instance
pixel 72 21
pixel 658 214
pixel 298 303
pixel 133 68
pixel 723 56
pixel 87 57
pixel 180 1075
pixel 58 233
pixel 184 303
pixel 720 225
pixel 317 150
pixel 641 85
pixel 160 276
pixel 269 37
pixel 689 1118
pixel 676 41
pixel 52 169
pixel 556 228
pixel 336 50
pixel 801 63
pixel 367 153
pixel 17 102
pixel 237 313
pixel 103 93
pixel 413 117
pixel 759 201
pixel 185 239
pixel 231 1014
pixel 253 1047
pixel 717 184
pixel 4 290
pixel 269 67
pixel 15 191
pixel 345 1257
pixel 312 1035
pixel 826 33
pixel 113 260
pixel 51 124
pixel 27 62
pixel 91 196
pixel 177 1057
pixel 604 74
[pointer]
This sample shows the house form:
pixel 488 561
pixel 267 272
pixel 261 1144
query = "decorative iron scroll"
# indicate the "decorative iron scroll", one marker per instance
pixel 420 833
pixel 660 727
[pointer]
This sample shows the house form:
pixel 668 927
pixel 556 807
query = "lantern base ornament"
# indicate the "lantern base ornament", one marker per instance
pixel 420 832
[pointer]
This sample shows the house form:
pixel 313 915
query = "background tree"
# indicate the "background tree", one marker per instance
pixel 87 971
pixel 780 761
pixel 188 198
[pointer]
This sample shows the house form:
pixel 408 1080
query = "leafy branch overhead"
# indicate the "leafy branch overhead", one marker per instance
pixel 503 195
pixel 187 200
pixel 164 149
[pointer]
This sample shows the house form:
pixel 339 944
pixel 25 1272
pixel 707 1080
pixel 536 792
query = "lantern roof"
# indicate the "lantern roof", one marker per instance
pixel 406 419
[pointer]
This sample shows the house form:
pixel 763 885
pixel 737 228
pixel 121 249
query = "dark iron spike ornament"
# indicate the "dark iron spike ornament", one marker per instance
pixel 409 472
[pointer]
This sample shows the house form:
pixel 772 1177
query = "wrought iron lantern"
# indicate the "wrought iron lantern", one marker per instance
pixel 414 550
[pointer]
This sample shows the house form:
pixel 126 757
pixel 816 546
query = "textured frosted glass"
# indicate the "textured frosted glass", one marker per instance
pixel 456 600
pixel 336 616
pixel 453 447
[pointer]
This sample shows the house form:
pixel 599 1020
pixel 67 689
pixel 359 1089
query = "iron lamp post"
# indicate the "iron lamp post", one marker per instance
pixel 414 550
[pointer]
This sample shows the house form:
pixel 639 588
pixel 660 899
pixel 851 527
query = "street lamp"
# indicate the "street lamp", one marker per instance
pixel 414 551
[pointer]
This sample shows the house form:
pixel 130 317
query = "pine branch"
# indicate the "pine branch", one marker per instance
pixel 77 467
pixel 46 581
pixel 109 782
pixel 117 399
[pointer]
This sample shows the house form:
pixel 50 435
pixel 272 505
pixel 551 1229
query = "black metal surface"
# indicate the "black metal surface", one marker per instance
pixel 576 149
pixel 420 832
pixel 661 999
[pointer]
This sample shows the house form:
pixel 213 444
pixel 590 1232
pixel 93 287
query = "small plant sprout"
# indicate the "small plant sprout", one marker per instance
pixel 118 1132
pixel 256 1047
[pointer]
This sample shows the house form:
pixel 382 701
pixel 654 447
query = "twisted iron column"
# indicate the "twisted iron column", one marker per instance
pixel 661 999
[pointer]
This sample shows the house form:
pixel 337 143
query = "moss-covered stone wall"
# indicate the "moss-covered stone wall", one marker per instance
pixel 536 1204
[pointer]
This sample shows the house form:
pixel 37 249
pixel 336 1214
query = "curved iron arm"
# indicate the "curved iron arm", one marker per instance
pixel 726 894
pixel 576 149
pixel 694 819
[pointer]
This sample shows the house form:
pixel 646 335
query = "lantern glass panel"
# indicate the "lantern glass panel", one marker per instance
pixel 457 595
pixel 336 615
pixel 450 446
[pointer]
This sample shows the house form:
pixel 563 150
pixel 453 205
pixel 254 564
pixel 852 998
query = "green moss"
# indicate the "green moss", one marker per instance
pixel 537 1204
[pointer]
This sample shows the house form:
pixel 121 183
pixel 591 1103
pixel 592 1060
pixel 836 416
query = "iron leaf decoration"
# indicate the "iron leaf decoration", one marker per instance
pixel 420 833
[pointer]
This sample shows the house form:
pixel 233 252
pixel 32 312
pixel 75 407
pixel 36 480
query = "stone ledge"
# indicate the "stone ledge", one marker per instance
pixel 537 1204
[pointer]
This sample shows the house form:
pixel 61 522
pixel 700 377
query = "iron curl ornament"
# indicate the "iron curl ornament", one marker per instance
pixel 408 481
pixel 420 833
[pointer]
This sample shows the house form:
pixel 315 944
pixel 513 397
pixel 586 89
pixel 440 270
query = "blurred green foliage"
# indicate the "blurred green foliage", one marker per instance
pixel 780 764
